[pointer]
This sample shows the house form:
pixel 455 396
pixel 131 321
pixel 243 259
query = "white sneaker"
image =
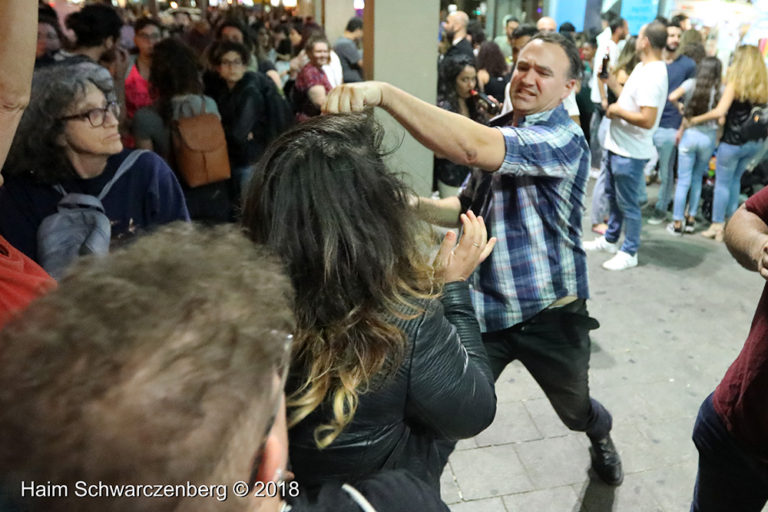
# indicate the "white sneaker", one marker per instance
pixel 621 261
pixel 602 245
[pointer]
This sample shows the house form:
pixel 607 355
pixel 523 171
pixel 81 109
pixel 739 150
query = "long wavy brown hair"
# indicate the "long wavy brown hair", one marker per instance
pixel 324 200
pixel 708 79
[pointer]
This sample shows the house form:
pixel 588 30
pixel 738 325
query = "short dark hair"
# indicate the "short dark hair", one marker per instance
pixel 678 19
pixel 144 22
pixel 94 23
pixel 222 47
pixel 661 19
pixel 475 30
pixel 617 23
pixel 656 32
pixel 317 37
pixel 509 18
pixel 608 16
pixel 567 27
pixel 157 357
pixel 354 23
pixel 568 46
pixel 526 30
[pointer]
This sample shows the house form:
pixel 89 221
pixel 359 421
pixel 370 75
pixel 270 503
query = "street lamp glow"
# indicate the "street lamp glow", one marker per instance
pixel 289 3
pixel 174 5
pixel 274 3
pixel 359 4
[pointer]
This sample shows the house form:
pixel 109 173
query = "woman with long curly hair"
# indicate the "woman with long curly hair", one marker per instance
pixel 388 365
pixel 174 80
pixel 746 86
pixel 457 78
pixel 492 72
pixel 697 143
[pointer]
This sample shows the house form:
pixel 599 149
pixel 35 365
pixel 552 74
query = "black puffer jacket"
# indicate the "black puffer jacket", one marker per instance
pixel 443 391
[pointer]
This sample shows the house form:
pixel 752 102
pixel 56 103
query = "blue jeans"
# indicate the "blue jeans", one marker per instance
pixel 731 163
pixel 664 140
pixel 693 156
pixel 625 176
pixel 729 478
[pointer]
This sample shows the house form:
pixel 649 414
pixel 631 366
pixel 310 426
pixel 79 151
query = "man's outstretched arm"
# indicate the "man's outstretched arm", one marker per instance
pixel 449 135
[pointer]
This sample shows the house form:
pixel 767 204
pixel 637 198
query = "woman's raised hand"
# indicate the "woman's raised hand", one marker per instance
pixel 456 262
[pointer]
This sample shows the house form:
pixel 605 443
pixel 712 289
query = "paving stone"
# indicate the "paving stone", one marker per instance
pixel 467 444
pixel 512 424
pixel 515 384
pixel 487 505
pixel 633 495
pixel 449 491
pixel 559 498
pixel 545 418
pixel 672 486
pixel 487 472
pixel 554 462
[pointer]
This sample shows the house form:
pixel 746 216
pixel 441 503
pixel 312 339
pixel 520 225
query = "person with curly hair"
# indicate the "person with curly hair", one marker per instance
pixel 746 86
pixel 68 136
pixel 697 143
pixel 175 83
pixel 492 73
pixel 388 365
pixel 456 80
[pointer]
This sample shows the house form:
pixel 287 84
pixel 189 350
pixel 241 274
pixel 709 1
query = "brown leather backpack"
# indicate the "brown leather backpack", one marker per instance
pixel 200 149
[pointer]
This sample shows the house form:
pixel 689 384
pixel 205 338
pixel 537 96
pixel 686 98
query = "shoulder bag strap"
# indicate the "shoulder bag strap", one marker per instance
pixel 358 498
pixel 127 164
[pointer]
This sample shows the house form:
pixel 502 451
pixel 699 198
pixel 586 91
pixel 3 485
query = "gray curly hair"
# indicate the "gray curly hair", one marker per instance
pixel 55 90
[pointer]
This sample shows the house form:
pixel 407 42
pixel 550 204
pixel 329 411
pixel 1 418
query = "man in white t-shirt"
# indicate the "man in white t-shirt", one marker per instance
pixel 629 144
pixel 598 95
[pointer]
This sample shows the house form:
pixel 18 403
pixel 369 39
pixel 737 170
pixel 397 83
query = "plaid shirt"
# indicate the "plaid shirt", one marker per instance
pixel 533 204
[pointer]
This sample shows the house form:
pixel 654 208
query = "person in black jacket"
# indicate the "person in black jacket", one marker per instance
pixel 387 355
pixel 252 110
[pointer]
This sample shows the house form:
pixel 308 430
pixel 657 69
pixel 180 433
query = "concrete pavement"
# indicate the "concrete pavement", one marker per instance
pixel 669 330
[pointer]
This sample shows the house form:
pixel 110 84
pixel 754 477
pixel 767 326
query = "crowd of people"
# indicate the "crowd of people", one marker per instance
pixel 307 345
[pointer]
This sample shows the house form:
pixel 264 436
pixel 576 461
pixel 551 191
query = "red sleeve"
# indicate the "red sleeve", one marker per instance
pixel 758 204
pixel 21 281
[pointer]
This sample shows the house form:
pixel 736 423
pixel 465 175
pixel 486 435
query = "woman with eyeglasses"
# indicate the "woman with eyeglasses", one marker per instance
pixel 250 107
pixel 69 136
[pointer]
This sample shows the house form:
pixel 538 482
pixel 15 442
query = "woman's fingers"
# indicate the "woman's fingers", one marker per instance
pixel 444 253
pixel 487 249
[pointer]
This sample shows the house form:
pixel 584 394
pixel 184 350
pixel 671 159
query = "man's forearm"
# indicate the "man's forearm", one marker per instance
pixel 449 135
pixel 441 212
pixel 634 118
pixel 746 235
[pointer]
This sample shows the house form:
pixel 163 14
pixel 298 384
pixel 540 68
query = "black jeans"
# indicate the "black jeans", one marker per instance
pixel 554 347
pixel 729 478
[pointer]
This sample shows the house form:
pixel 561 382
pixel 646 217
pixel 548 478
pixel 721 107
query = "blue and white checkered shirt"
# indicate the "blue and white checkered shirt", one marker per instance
pixel 533 204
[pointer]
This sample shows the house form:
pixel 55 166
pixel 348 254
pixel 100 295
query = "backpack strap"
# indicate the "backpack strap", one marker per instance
pixel 358 498
pixel 127 164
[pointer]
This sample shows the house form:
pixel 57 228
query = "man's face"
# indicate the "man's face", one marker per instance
pixel 587 52
pixel 511 26
pixel 673 38
pixel 540 80
pixel 232 34
pixel 641 42
pixel 517 45
pixel 451 26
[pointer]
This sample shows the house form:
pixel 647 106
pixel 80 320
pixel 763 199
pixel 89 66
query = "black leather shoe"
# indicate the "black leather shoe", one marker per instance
pixel 606 461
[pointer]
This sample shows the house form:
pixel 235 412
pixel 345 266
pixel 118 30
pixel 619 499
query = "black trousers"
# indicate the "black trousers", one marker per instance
pixel 554 347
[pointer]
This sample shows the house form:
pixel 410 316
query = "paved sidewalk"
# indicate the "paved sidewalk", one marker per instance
pixel 669 330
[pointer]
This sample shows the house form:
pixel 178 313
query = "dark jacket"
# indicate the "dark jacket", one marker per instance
pixel 443 390
pixel 146 196
pixel 252 114
pixel 463 47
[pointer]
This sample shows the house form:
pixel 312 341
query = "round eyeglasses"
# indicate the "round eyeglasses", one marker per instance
pixel 97 116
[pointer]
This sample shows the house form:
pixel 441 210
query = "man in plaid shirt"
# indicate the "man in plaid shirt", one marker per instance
pixel 530 294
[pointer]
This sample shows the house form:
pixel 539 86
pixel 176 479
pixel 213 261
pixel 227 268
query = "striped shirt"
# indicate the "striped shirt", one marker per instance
pixel 533 204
